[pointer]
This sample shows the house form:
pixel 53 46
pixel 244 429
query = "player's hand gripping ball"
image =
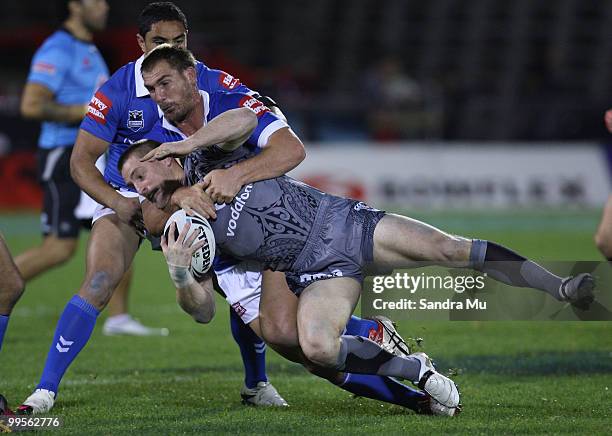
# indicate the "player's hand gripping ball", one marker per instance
pixel 203 257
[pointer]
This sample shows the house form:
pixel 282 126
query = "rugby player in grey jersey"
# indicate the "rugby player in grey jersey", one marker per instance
pixel 321 242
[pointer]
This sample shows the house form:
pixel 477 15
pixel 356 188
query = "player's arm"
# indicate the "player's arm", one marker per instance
pixel 87 149
pixel 228 130
pixel 38 103
pixel 281 151
pixel 195 298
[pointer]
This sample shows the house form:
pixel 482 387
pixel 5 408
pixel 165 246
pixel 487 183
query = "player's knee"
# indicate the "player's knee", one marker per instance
pixel 450 248
pixel 59 250
pixel 278 333
pixel 98 288
pixel 15 285
pixel 603 241
pixel 318 350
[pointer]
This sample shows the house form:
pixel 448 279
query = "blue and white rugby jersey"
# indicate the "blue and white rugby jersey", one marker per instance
pixel 122 112
pixel 72 69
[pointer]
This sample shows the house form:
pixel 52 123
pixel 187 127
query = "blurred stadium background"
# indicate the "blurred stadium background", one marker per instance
pixel 483 117
pixel 403 75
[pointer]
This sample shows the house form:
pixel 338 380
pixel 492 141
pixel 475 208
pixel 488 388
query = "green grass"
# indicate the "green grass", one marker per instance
pixel 516 377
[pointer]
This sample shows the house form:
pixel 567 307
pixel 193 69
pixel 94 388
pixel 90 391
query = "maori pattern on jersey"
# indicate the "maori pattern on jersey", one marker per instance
pixel 201 162
pixel 286 224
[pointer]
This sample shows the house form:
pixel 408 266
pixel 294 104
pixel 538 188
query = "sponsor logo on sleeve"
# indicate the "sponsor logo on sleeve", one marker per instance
pixel 135 120
pixel 44 67
pixel 228 81
pixel 255 105
pixel 98 107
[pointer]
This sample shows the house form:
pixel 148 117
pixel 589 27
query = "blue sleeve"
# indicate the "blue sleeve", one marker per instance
pixel 49 65
pixel 104 111
pixel 267 122
pixel 216 80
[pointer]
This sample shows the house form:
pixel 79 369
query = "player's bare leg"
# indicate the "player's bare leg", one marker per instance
pixel 118 303
pixel 11 287
pixel 324 308
pixel 400 242
pixel 52 252
pixel 603 237
pixel 278 313
pixel 110 251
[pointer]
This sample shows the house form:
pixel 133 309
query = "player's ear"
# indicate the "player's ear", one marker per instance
pixel 191 75
pixel 141 42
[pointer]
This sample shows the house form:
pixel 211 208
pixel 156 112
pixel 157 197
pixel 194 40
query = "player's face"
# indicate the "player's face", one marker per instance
pixel 153 180
pixel 163 32
pixel 174 91
pixel 94 14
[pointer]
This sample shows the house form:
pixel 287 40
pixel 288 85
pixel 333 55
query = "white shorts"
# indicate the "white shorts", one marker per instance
pixel 241 284
pixel 87 205
pixel 103 210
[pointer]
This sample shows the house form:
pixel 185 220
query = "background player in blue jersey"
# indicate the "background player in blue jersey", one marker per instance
pixel 66 71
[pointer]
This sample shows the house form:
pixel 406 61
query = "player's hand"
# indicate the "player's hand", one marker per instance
pixel 608 120
pixel 128 210
pixel 172 149
pixel 194 199
pixel 178 250
pixel 222 185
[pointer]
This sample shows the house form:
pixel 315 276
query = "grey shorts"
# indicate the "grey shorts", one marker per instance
pixel 340 245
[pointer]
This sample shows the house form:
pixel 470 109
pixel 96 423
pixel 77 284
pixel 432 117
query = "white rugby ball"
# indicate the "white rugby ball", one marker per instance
pixel 203 257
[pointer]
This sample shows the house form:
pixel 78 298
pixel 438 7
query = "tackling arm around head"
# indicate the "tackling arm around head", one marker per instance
pixel 229 130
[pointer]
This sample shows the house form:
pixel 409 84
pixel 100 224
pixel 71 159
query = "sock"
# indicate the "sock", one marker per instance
pixel 363 356
pixel 72 333
pixel 252 350
pixel 508 267
pixel 4 319
pixel 360 327
pixel 383 389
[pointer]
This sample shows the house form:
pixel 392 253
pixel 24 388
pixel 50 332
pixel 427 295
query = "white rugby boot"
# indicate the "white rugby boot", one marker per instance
pixel 439 387
pixel 386 336
pixel 41 401
pixel 264 394
pixel 124 324
pixel 578 289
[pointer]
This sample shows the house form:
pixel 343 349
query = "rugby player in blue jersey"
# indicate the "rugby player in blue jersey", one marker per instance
pixel 66 71
pixel 320 241
pixel 120 113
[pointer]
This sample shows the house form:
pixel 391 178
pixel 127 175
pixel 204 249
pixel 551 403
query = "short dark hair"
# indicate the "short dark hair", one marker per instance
pixel 159 11
pixel 138 149
pixel 179 58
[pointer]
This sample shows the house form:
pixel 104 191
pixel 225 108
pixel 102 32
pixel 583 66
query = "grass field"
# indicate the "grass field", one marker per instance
pixel 520 377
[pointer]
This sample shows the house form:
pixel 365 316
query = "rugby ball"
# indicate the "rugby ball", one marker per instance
pixel 203 257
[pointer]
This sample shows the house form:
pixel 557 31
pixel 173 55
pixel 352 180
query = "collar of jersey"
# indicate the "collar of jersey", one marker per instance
pixel 169 126
pixel 141 91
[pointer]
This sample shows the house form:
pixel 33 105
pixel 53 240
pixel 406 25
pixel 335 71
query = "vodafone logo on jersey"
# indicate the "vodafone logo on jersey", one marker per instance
pixel 255 105
pixel 228 81
pixel 98 107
